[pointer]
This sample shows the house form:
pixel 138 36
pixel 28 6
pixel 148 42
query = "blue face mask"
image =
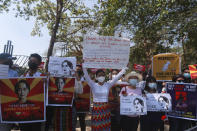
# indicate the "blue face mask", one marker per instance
pixel 186 75
pixel 152 85
pixel 133 82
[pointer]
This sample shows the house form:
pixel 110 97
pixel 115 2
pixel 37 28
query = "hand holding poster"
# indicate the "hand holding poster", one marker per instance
pixel 184 100
pixel 62 66
pixel 105 52
pixel 158 102
pixel 60 91
pixel 22 100
pixel 133 105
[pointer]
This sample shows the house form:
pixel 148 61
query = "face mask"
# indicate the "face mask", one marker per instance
pixel 113 76
pixel 100 79
pixel 152 85
pixel 186 75
pixel 32 65
pixel 133 82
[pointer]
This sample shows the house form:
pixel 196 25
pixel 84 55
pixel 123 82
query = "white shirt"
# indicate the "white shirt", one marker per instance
pixel 101 92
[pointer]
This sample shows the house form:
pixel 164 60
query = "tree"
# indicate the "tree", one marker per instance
pixel 55 15
pixel 152 24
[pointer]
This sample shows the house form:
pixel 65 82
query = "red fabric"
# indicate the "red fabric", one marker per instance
pixel 139 67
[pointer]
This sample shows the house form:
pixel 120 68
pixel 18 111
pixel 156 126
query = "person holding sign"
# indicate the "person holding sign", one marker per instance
pixel 100 90
pixel 152 121
pixel 130 123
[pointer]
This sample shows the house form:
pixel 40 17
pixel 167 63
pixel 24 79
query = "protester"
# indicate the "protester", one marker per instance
pixel 177 124
pixel 130 123
pixel 186 74
pixel 152 121
pixel 33 63
pixel 100 90
pixel 6 59
pixel 114 103
pixel 79 90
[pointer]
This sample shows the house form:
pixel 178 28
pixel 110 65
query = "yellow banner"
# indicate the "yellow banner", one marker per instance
pixel 165 66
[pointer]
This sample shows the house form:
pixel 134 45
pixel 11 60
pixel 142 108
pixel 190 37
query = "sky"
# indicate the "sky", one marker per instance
pixel 19 32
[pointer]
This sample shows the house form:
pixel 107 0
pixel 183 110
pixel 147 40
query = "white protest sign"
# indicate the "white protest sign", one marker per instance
pixel 159 102
pixel 133 105
pixel 105 52
pixel 62 66
pixel 4 71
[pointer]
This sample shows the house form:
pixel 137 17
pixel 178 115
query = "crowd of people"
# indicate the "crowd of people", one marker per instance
pixel 103 117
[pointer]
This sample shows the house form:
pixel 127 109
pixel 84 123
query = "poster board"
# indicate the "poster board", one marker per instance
pixel 184 100
pixel 105 52
pixel 158 102
pixel 165 66
pixel 133 105
pixel 62 66
pixel 22 100
pixel 60 91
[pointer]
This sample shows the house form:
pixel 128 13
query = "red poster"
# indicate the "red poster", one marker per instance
pixel 139 67
pixel 22 100
pixel 60 91
pixel 82 101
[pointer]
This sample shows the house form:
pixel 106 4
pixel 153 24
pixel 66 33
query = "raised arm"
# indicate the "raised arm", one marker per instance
pixel 87 78
pixel 113 81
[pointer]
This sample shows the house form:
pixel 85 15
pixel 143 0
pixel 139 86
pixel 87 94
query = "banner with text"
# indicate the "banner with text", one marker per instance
pixel 165 66
pixel 61 91
pixel 22 100
pixel 105 52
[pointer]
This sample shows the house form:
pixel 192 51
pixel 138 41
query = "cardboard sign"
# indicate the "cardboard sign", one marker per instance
pixel 61 91
pixel 165 66
pixel 184 100
pixel 62 66
pixel 105 52
pixel 22 100
pixel 133 105
pixel 159 102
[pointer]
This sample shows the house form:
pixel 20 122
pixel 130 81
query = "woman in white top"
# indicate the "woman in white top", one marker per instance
pixel 100 90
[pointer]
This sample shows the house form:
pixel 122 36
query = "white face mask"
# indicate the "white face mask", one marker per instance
pixel 100 79
pixel 133 82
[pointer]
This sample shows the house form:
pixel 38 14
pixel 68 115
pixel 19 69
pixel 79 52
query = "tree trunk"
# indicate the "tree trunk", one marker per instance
pixel 54 32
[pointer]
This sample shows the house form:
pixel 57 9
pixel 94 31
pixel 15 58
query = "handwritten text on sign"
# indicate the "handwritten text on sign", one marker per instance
pixel 105 52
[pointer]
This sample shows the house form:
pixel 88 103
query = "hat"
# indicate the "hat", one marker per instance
pixel 6 56
pixel 133 73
